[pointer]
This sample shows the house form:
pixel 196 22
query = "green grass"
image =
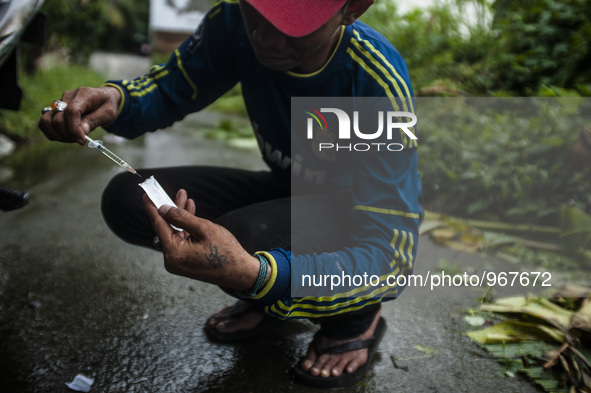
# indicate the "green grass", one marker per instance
pixel 39 90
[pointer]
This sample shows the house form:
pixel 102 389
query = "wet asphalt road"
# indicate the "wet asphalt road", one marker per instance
pixel 74 299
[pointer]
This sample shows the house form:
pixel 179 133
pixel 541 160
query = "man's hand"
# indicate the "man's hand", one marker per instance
pixel 87 109
pixel 203 250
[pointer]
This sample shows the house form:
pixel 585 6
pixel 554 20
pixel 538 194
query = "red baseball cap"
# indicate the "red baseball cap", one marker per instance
pixel 297 18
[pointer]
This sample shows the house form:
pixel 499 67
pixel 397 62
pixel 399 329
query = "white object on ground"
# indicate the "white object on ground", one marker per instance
pixel 80 383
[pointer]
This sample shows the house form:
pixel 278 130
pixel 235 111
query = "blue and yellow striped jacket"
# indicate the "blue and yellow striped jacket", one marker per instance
pixel 386 187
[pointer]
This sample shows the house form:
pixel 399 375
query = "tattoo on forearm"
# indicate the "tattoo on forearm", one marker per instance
pixel 214 258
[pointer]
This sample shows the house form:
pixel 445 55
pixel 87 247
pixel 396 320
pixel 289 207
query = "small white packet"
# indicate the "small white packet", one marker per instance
pixel 80 383
pixel 157 194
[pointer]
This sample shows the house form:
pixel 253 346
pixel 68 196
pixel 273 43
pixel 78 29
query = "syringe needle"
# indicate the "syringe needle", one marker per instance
pixel 99 145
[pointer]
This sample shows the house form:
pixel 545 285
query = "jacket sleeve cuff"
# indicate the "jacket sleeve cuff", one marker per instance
pixel 279 283
pixel 124 103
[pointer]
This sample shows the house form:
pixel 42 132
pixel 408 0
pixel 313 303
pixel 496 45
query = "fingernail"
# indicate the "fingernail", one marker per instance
pixel 164 209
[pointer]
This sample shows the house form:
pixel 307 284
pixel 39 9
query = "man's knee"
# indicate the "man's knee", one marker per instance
pixel 261 226
pixel 116 197
pixel 122 209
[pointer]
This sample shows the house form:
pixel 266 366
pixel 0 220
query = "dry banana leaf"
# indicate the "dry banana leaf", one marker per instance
pixel 581 321
pixel 515 331
pixel 564 364
pixel 573 291
pixel 540 308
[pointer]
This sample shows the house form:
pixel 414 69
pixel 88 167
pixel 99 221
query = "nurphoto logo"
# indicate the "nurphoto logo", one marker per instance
pixel 386 122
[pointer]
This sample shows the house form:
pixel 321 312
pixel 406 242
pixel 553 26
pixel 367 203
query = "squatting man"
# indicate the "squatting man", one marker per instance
pixel 237 229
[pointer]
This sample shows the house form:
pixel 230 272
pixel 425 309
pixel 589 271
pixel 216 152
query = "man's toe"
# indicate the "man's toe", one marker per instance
pixel 321 366
pixel 339 368
pixel 353 366
pixel 329 366
pixel 316 368
pixel 307 364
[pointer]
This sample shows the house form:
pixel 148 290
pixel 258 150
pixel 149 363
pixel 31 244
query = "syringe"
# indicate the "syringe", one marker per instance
pixel 99 145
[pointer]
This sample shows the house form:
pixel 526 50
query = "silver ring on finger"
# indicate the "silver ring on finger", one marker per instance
pixel 56 106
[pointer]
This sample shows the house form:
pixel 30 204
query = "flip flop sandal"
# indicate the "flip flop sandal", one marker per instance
pixel 239 308
pixel 345 379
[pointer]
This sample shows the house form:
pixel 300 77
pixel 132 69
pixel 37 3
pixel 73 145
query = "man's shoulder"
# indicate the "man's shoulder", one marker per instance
pixel 363 34
pixel 226 10
pixel 225 3
pixel 377 62
pixel 221 23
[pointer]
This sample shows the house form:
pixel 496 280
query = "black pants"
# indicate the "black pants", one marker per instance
pixel 254 206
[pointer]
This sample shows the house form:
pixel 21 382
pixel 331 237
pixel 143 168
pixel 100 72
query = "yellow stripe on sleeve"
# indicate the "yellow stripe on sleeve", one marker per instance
pixel 305 314
pixel 144 91
pixel 212 13
pixel 393 244
pixel 386 211
pixel 189 81
pixel 375 76
pixel 389 65
pixel 313 303
pixel 122 101
pixel 402 243
pixel 411 243
pixel 380 67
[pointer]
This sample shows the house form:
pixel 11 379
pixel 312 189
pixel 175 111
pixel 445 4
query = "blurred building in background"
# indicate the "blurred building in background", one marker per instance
pixel 172 21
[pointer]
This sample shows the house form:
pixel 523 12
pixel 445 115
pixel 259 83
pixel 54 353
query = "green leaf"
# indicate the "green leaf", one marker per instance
pixel 426 350
pixel 519 349
pixel 575 228
pixel 546 379
pixel 540 308
pixel 515 331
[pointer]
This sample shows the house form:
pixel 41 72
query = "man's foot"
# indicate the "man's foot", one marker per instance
pixel 335 364
pixel 236 322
